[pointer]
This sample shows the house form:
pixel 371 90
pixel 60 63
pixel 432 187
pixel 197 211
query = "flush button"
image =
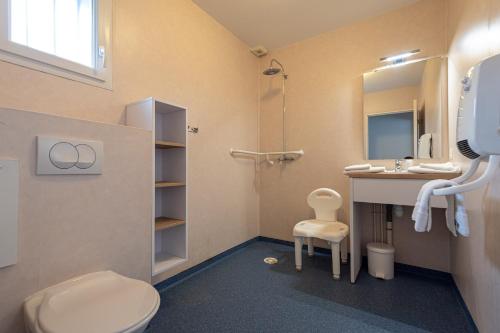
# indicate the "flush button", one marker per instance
pixel 63 155
pixel 86 156
pixel 60 156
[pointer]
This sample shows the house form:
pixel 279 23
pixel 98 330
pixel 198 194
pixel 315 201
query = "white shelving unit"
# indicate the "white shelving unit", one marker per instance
pixel 168 124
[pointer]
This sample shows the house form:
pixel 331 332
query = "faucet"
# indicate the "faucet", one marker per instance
pixel 398 165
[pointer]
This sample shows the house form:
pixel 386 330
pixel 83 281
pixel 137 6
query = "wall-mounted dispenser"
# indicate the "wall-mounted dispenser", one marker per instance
pixel 9 193
pixel 478 124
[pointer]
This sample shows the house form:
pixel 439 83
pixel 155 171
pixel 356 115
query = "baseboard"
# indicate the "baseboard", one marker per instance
pixel 398 267
pixel 424 272
pixel 161 286
pixel 427 273
pixel 470 320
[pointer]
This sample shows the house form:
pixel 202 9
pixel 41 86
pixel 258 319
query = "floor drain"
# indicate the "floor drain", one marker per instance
pixel 270 260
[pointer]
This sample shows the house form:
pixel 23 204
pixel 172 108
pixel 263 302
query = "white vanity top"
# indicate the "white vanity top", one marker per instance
pixel 399 188
pixel 404 175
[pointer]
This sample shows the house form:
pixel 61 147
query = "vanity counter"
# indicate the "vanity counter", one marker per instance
pixel 403 175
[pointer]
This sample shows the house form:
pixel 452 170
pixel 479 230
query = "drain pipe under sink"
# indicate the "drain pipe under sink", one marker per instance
pixel 388 223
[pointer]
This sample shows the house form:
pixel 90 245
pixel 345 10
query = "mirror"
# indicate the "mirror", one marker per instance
pixel 404 110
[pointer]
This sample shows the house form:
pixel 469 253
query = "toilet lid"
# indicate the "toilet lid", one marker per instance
pixel 97 302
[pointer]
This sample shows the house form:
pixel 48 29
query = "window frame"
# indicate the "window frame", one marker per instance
pixel 25 56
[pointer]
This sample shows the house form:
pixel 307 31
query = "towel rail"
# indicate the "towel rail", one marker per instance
pixel 486 177
pixel 470 172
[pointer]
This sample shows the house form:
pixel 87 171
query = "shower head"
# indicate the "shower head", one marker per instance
pixel 272 70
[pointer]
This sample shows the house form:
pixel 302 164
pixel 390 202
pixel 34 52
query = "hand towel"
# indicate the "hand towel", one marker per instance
pixel 457 220
pixel 420 169
pixel 358 167
pixel 425 146
pixel 450 214
pixel 461 218
pixel 456 215
pixel 439 166
pixel 371 169
pixel 422 214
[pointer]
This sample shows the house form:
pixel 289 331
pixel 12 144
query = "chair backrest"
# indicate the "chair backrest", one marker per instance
pixel 325 203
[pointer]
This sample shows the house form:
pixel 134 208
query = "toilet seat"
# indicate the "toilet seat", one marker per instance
pixel 96 302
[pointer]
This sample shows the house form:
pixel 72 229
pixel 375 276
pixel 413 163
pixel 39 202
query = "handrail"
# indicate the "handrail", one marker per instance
pixel 247 152
pixel 486 177
pixel 285 155
pixel 470 172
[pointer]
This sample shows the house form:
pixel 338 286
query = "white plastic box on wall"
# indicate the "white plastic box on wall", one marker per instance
pixel 9 199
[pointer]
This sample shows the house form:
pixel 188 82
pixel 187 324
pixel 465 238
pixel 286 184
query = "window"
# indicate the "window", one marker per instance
pixel 69 38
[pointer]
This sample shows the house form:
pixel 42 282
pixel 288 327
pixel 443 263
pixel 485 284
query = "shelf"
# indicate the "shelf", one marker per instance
pixel 162 223
pixel 168 125
pixel 163 184
pixel 165 261
pixel 168 144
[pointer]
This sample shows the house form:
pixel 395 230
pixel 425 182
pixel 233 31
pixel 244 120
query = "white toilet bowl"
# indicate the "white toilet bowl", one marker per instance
pixel 100 302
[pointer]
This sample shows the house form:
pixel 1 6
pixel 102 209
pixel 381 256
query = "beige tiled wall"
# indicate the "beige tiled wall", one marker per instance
pixel 325 111
pixel 72 225
pixel 474 30
pixel 171 50
pixel 393 100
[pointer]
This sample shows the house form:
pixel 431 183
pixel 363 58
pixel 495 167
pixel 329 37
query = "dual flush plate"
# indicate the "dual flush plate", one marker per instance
pixel 57 156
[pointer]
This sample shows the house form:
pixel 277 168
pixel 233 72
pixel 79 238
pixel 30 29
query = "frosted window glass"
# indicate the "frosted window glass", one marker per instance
pixel 64 28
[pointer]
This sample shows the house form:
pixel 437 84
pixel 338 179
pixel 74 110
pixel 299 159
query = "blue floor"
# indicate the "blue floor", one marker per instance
pixel 241 293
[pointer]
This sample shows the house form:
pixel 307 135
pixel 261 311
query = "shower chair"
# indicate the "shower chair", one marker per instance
pixel 325 203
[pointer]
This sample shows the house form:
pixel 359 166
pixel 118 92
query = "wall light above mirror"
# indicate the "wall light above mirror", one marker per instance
pixel 399 58
pixel 404 110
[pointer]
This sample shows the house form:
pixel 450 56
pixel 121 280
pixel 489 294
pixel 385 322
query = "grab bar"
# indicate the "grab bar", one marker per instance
pixel 285 155
pixel 253 153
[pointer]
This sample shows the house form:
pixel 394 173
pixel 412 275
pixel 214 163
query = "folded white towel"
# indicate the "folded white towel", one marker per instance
pixel 358 167
pixel 420 169
pixel 448 166
pixel 450 215
pixel 425 146
pixel 371 170
pixel 456 215
pixel 461 218
pixel 422 213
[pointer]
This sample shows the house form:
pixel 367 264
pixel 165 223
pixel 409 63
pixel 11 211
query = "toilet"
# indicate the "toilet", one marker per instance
pixel 100 302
